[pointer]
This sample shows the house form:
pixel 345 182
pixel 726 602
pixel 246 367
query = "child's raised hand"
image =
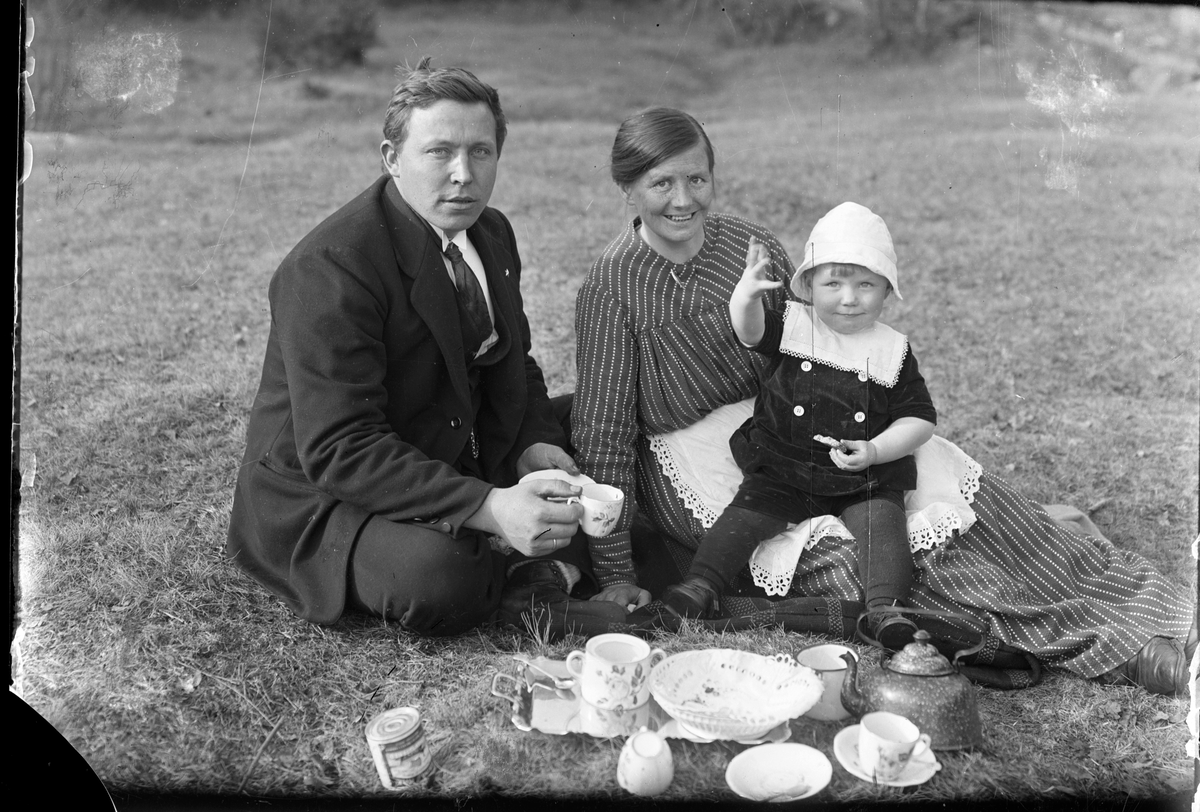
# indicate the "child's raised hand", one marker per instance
pixel 745 303
pixel 861 454
pixel 757 279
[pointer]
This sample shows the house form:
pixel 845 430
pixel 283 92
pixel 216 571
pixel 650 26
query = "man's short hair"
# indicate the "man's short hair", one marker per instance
pixel 422 86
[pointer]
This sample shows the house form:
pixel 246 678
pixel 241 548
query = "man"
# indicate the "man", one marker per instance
pixel 399 404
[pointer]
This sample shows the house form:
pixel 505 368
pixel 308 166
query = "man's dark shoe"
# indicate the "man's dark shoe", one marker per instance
pixel 535 600
pixel 693 598
pixel 536 580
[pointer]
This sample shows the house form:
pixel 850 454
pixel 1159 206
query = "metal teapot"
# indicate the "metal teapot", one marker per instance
pixel 922 685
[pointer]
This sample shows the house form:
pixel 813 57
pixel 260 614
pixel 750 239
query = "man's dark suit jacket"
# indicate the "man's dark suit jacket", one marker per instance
pixel 365 405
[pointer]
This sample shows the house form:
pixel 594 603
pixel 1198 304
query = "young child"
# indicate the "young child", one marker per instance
pixel 838 378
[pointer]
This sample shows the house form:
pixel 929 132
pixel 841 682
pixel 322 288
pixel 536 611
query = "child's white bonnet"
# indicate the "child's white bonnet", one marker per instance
pixel 853 234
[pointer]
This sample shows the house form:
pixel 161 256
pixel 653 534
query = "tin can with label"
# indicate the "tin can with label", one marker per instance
pixel 398 746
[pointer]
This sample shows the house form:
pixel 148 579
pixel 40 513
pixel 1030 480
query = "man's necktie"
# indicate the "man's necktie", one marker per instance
pixel 472 306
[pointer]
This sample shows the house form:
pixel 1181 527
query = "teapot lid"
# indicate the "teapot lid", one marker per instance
pixel 920 658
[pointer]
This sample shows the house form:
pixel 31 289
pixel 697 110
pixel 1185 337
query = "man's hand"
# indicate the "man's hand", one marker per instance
pixel 527 517
pixel 631 596
pixel 541 456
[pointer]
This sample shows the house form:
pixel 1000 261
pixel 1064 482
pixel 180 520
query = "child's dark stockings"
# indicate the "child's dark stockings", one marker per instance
pixel 729 544
pixel 885 562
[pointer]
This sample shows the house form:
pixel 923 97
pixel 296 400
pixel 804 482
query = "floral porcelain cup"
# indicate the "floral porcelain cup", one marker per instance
pixel 886 742
pixel 606 724
pixel 601 508
pixel 614 670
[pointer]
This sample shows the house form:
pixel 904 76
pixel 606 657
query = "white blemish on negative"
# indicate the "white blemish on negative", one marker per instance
pixel 139 71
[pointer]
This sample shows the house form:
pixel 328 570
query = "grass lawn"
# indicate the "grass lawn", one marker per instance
pixel 1051 283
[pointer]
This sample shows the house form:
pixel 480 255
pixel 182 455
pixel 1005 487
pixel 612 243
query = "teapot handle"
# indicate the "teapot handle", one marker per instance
pixel 912 610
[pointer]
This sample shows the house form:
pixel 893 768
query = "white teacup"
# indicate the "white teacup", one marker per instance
pixel 827 661
pixel 601 508
pixel 613 672
pixel 605 724
pixel 886 742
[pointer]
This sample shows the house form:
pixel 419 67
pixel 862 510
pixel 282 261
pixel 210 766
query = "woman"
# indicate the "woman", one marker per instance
pixel 662 382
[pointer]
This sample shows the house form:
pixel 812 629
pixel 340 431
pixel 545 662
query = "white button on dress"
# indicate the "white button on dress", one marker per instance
pixel 859 417
pixel 798 411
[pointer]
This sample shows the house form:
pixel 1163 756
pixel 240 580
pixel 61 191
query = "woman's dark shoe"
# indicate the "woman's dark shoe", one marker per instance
pixel 693 598
pixel 893 630
pixel 1161 666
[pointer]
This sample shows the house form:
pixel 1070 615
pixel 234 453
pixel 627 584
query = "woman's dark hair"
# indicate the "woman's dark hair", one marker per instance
pixel 646 139
pixel 423 86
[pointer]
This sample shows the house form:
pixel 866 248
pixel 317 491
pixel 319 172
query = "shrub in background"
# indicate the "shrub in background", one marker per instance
pixel 404 3
pixel 315 34
pixel 180 8
pixel 772 22
pixel 921 27
pixel 917 27
pixel 57 81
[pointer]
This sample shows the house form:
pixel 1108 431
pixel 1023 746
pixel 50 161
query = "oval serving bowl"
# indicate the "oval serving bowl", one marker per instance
pixel 731 694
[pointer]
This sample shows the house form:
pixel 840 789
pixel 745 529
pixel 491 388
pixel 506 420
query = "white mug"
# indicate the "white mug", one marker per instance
pixel 886 742
pixel 645 766
pixel 601 508
pixel 613 672
pixel 827 661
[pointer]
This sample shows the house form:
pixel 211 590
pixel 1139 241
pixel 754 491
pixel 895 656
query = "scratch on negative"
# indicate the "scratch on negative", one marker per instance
pixel 677 50
pixel 68 284
pixel 792 110
pixel 249 143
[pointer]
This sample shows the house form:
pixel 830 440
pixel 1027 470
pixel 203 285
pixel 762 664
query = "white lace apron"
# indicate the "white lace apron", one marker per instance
pixel 700 466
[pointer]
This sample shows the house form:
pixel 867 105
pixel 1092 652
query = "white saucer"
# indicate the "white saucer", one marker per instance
pixel 554 473
pixel 919 770
pixel 676 729
pixel 778 772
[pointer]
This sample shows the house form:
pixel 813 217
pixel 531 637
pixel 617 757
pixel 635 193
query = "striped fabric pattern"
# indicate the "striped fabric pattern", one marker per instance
pixel 1073 601
pixel 656 352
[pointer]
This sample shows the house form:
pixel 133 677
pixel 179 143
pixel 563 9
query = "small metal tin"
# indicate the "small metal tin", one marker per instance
pixel 398 746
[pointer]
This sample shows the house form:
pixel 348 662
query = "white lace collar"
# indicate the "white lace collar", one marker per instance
pixel 878 353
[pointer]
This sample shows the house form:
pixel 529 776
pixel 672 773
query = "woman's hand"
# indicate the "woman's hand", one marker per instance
pixel 631 596
pixel 542 456
pixel 861 454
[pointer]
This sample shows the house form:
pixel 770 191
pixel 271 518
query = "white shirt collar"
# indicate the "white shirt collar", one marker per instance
pixel 460 239
pixel 877 353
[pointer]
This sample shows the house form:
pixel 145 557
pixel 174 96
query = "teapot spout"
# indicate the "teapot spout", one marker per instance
pixel 852 698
